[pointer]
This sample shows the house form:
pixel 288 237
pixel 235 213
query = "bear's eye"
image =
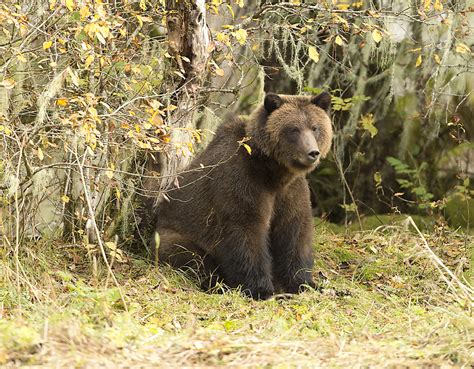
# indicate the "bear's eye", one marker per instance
pixel 314 128
pixel 294 130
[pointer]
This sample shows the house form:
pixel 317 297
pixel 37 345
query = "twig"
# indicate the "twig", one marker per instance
pixel 16 252
pixel 96 229
pixel 346 184
pixel 467 290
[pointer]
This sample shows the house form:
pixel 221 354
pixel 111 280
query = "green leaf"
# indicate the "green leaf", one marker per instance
pixel 112 295
pixel 368 123
pixel 377 179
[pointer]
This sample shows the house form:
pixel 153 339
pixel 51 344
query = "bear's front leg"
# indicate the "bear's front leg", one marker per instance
pixel 291 238
pixel 245 261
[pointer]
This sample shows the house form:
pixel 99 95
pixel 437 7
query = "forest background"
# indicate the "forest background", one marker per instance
pixel 103 103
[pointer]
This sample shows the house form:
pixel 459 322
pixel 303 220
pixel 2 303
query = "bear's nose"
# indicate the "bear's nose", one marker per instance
pixel 313 155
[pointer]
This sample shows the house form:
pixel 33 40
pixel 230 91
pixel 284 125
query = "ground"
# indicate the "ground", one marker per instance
pixel 383 301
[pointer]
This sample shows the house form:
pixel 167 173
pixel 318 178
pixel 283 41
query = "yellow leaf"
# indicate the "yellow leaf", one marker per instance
pixel 313 54
pixel 419 60
pixel 62 101
pixel 109 173
pixel 377 35
pixel 89 61
pixel 170 108
pixel 65 199
pixel 222 37
pixel 105 31
pixel 342 4
pixel 144 145
pixel 248 148
pixel 438 6
pixel 84 12
pixel 220 72
pixel 8 83
pixel 6 130
pixel 156 119
pixel 240 3
pixel 437 59
pixel 462 48
pixel 427 4
pixel 40 154
pixel 111 245
pixel 70 5
pixel 52 4
pixel 21 58
pixel 241 36
pixel 47 45
pixel 23 29
pixel 338 40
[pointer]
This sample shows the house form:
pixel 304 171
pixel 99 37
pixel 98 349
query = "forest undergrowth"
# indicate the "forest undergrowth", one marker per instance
pixel 391 296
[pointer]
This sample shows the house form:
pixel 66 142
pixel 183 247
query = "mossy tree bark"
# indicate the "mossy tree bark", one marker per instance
pixel 190 43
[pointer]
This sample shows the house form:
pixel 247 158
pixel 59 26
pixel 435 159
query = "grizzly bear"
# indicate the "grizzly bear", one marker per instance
pixel 241 214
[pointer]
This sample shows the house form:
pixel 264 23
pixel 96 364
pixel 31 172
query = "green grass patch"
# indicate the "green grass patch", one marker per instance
pixel 381 301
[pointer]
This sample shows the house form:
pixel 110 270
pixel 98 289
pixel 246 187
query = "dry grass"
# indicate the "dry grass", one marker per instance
pixel 383 303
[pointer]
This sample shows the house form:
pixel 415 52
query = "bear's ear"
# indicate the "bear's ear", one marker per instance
pixel 272 102
pixel 323 100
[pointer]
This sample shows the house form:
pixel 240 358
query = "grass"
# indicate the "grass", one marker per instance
pixel 382 303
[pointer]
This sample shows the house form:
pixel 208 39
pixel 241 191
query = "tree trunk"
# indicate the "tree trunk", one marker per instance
pixel 190 43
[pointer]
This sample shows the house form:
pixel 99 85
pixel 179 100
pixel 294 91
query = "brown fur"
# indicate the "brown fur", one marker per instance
pixel 246 219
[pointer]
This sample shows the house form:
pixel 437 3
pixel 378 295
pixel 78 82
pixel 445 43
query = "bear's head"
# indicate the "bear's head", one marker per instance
pixel 296 131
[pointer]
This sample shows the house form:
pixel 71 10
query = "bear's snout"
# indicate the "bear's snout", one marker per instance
pixel 313 155
pixel 309 149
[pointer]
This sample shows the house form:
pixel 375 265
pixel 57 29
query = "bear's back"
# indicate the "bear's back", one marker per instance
pixel 208 177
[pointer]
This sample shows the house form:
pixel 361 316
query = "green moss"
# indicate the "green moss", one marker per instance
pixel 343 256
pixel 460 212
pixel 372 222
pixel 380 297
pixel 18 336
pixel 369 272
